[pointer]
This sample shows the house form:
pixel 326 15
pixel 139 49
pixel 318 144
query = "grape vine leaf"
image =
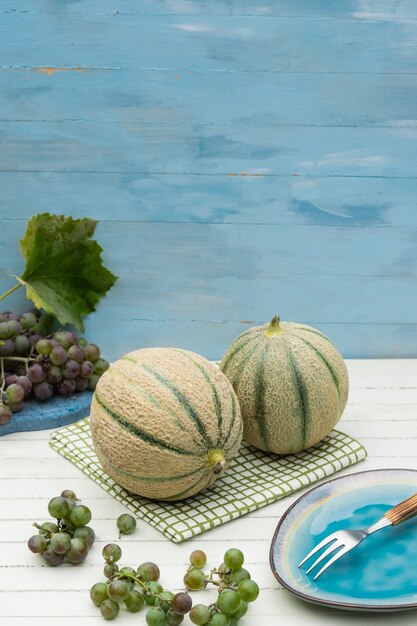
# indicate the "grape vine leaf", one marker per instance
pixel 64 273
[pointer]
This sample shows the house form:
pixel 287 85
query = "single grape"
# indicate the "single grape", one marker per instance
pixel 54 375
pixel 25 383
pixel 92 381
pixel 200 614
pixel 15 328
pixel 86 369
pixel 92 352
pixel 86 533
pixel 13 316
pixel 36 373
pixel 6 347
pixel 165 600
pixel 109 609
pixel 98 593
pixel 81 384
pixel 238 575
pixel 155 616
pixel 78 550
pixel 195 579
pixel 110 569
pixel 5 414
pixel 52 558
pixel 48 528
pixel 82 342
pixel 43 391
pixel 117 590
pixel 151 589
pixel 5 330
pixel 34 338
pixel 76 353
pixel 242 610
pixel 65 339
pixel 44 346
pixel 219 619
pixel 80 515
pixel 58 355
pixel 28 320
pixel 68 493
pixel 248 590
pixel 126 524
pixel 198 558
pixel 58 507
pixel 10 379
pixel 181 603
pixel 21 345
pixel 71 369
pixel 60 542
pixel 16 406
pixel 134 601
pixel 112 553
pixel 148 572
pixel 174 619
pixel 228 601
pixel 66 387
pixel 101 366
pixel 233 559
pixel 37 544
pixel 129 571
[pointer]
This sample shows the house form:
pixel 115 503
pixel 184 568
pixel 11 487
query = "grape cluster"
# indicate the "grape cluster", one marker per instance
pixel 136 589
pixel 234 584
pixel 69 538
pixel 33 363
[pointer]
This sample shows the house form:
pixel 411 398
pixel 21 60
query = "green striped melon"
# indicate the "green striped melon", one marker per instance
pixel 291 382
pixel 165 423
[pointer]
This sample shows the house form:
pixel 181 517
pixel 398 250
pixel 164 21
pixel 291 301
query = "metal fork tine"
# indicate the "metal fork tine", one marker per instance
pixel 332 560
pixel 335 546
pixel 321 545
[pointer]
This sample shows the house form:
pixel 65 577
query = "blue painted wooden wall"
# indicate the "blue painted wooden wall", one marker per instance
pixel 244 158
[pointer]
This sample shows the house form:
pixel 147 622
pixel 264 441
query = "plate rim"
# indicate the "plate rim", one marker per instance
pixel 334 603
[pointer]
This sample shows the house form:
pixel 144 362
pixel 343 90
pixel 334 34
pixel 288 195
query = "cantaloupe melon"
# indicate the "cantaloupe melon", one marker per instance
pixel 165 423
pixel 291 382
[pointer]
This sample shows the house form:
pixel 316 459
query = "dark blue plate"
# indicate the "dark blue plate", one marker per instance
pixel 56 412
pixel 380 573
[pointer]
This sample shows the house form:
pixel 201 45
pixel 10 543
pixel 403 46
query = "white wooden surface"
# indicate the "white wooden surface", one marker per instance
pixel 381 412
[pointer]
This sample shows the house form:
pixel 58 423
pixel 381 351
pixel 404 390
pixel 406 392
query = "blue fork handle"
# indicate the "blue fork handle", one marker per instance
pixel 403 511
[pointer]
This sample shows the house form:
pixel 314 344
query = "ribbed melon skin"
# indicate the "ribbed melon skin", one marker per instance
pixel 292 385
pixel 160 420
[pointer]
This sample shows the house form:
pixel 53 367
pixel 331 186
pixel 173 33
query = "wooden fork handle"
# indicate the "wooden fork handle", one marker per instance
pixel 403 511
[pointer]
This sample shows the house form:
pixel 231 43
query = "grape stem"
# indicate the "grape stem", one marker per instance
pixel 3 380
pixel 11 291
pixel 121 575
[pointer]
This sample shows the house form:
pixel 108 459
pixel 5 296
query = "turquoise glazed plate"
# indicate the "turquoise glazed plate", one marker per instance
pixel 380 573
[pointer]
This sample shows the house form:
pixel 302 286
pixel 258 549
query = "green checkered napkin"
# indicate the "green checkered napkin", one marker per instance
pixel 253 480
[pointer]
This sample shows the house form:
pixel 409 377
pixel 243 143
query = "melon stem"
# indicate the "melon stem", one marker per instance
pixel 274 327
pixel 217 461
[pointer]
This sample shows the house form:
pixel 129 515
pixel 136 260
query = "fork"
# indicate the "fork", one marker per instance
pixel 343 541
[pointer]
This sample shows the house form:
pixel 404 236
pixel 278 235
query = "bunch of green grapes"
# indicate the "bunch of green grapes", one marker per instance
pixel 68 538
pixel 135 589
pixel 233 582
pixel 35 364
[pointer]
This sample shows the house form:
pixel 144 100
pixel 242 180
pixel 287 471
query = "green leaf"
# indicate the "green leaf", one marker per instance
pixel 64 273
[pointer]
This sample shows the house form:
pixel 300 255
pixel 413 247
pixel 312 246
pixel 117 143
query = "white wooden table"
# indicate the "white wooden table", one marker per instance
pixel 381 412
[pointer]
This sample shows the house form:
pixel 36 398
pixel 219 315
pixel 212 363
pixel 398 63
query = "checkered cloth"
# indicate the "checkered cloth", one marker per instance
pixel 253 480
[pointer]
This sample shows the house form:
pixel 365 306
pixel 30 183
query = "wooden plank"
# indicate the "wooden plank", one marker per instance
pixel 211 42
pixel 372 9
pixel 324 201
pixel 188 148
pixel 132 96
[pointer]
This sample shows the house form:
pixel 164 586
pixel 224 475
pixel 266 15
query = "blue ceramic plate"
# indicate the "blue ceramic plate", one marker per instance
pixel 380 573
